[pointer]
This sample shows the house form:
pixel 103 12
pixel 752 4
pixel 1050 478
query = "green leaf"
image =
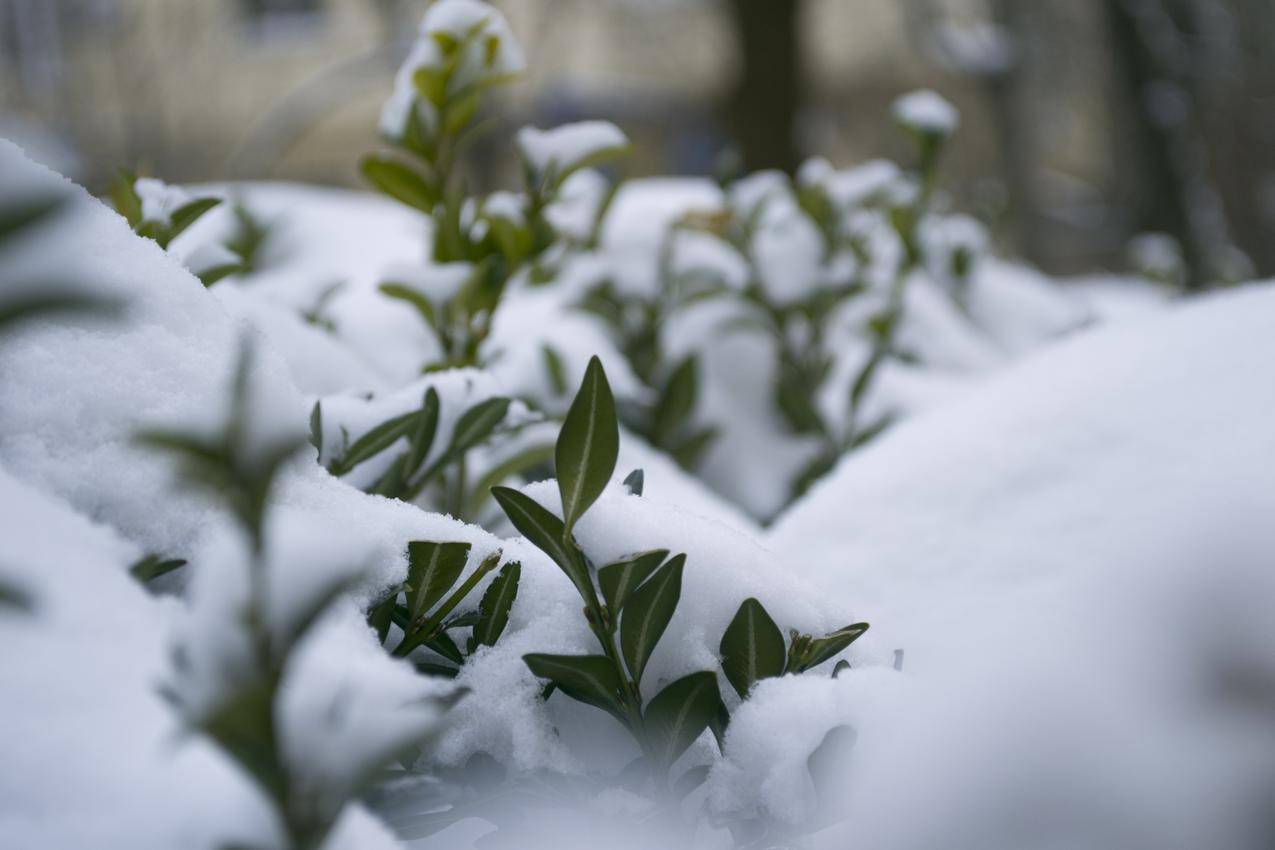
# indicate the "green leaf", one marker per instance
pixel 721 720
pixel 124 197
pixel 403 292
pixel 545 531
pixel 399 182
pixel 618 580
pixel 460 112
pixel 519 463
pixel 432 570
pixel 211 275
pixel 824 648
pixel 553 366
pixel 680 713
pixel 841 667
pixel 446 647
pixel 587 445
pixel 316 428
pixel 374 442
pixel 591 679
pixel 153 566
pixel 752 647
pixel 797 407
pixel 494 607
pixel 476 424
pixel 422 437
pixel 634 482
pixel 187 214
pixel 393 482
pixel 689 452
pixel 433 668
pixel 243 726
pixel 647 614
pixel 381 615
pixel 677 402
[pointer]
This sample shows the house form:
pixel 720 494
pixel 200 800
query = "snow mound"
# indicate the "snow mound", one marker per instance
pixel 1108 449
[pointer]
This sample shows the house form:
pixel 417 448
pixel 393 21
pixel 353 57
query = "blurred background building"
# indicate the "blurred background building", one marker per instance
pixel 1085 122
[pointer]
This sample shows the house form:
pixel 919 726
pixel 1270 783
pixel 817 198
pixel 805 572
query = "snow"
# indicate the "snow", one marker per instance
pixel 928 112
pixel 1080 445
pixel 160 200
pixel 564 149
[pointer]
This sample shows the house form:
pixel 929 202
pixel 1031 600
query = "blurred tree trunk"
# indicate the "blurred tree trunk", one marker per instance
pixel 764 104
pixel 1158 187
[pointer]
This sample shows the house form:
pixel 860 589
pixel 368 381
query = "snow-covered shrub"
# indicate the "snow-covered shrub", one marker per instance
pixel 628 605
pixel 465 49
pixel 241 673
pixel 158 211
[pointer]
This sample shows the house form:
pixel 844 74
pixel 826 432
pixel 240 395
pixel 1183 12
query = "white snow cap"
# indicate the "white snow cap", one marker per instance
pixel 570 146
pixel 159 200
pixel 493 54
pixel 926 111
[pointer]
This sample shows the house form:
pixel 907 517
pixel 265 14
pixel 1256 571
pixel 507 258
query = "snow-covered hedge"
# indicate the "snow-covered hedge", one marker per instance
pixel 334 521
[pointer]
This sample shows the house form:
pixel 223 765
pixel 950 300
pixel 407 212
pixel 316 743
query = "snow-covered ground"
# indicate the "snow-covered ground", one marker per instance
pixel 1066 535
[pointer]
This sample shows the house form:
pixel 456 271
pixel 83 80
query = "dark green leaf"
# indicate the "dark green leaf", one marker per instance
pixel 634 482
pixel 721 720
pixel 840 667
pixel 476 424
pixel 375 441
pixel 432 570
pixel 496 603
pixel 403 292
pixel 422 436
pixel 431 668
pixel 153 566
pixel 590 679
pixel 797 407
pixel 752 647
pixel 557 372
pixel 124 197
pixel 28 307
pixel 677 402
pixel 618 580
pixel 689 452
pixel 545 531
pixel 211 275
pixel 187 214
pixel 243 726
pixel 647 614
pixel 680 713
pixel 527 459
pixel 381 615
pixel 587 445
pixel 399 182
pixel 316 428
pixel 824 648
pixel 446 647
